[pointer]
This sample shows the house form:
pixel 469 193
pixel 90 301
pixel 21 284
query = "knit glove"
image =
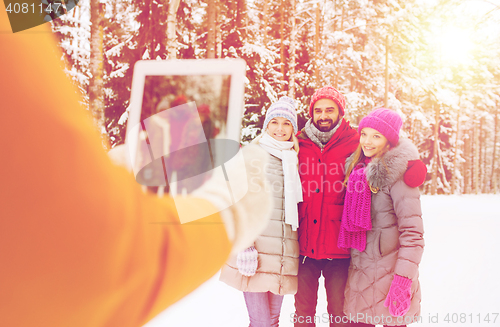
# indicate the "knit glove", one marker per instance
pixel 399 298
pixel 246 261
pixel 249 214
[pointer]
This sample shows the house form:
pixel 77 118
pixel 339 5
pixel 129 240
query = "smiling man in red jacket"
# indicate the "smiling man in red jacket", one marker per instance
pixel 325 143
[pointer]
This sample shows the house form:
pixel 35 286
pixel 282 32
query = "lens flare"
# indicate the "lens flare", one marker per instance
pixel 455 46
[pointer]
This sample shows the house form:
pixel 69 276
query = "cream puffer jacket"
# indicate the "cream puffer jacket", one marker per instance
pixel 278 248
pixel 394 245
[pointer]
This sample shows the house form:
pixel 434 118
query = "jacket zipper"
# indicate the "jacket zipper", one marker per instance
pixel 283 226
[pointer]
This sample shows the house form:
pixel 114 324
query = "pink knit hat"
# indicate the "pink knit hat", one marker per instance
pixel 328 92
pixel 386 121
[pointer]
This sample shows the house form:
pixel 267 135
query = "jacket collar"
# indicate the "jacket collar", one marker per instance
pixel 338 135
pixel 389 168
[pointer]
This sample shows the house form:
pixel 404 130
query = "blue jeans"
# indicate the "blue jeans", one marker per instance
pixel 335 274
pixel 263 308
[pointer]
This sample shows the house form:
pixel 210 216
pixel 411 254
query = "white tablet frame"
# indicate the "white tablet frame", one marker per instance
pixel 234 67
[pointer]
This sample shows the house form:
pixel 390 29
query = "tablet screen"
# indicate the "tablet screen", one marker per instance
pixel 209 92
pixel 180 114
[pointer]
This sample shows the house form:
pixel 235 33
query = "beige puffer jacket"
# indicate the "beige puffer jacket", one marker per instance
pixel 393 246
pixel 278 248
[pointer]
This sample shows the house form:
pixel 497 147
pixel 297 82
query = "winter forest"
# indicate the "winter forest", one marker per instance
pixel 436 62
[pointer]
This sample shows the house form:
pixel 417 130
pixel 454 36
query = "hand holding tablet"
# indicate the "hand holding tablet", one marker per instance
pixel 185 122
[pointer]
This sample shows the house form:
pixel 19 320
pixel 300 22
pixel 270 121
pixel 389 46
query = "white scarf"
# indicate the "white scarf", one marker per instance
pixel 291 179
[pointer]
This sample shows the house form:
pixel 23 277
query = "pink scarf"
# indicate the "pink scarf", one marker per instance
pixel 356 217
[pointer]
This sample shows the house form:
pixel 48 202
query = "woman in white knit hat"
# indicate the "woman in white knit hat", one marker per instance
pixel 267 271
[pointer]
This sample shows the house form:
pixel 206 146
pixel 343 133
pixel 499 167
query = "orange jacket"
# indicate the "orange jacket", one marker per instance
pixel 80 243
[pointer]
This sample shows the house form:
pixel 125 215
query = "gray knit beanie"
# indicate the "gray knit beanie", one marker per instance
pixel 284 107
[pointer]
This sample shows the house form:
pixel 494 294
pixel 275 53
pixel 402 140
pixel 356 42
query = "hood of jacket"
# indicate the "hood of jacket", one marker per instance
pixel 389 168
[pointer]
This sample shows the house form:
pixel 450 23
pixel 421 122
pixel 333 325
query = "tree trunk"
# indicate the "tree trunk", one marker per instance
pixel 386 94
pixel 442 173
pixel 96 84
pixel 494 185
pixel 335 65
pixel 480 160
pixel 467 163
pixel 293 36
pixel 476 159
pixel 342 19
pixel 171 26
pixel 436 152
pixel 241 14
pixel 412 130
pixel 316 42
pixel 282 49
pixel 218 32
pixel 266 21
pixel 455 159
pixel 334 22
pixel 484 159
pixel 211 13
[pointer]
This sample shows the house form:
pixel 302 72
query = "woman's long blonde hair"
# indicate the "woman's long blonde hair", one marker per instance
pixel 358 156
pixel 295 141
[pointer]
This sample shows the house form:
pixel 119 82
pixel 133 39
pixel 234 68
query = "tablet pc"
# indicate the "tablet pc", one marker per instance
pixel 184 121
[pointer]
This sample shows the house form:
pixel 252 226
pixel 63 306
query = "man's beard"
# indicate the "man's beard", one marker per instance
pixel 325 128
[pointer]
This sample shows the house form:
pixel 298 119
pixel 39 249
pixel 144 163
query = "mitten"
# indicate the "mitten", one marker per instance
pixel 247 262
pixel 399 298
pixel 249 214
pixel 415 173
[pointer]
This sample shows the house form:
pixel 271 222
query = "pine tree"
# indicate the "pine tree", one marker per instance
pixel 366 49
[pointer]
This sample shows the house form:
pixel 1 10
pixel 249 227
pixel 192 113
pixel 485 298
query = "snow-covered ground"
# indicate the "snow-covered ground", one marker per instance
pixel 459 273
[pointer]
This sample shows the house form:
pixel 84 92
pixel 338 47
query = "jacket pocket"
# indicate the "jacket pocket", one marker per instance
pixel 334 217
pixel 388 240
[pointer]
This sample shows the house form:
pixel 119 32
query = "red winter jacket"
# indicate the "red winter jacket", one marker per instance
pixel 322 175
